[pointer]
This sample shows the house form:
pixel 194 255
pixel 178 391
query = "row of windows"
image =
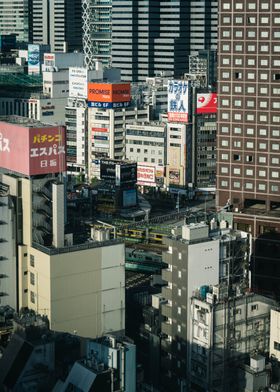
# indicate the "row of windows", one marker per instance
pixel 249 158
pixel 250 33
pixel 250 145
pixel 251 48
pixel 251 62
pixel 251 20
pixel 249 172
pixel 250 117
pixel 251 131
pixel 249 186
pixel 239 6
pixel 250 103
pixel 225 88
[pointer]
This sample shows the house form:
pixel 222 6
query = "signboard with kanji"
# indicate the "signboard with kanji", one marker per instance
pixel 178 101
pixel 32 151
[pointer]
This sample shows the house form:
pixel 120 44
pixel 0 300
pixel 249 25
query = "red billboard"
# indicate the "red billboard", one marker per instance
pixel 206 103
pixel 32 151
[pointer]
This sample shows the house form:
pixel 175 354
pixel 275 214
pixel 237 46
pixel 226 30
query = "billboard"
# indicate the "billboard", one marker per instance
pixel 146 175
pixel 32 151
pixel 174 176
pixel 78 82
pixel 108 95
pixel 119 173
pixel 206 103
pixel 178 101
pixel 33 59
pixel 129 198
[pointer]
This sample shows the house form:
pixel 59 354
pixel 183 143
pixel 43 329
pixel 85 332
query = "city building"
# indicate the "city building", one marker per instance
pixel 16 18
pixel 149 37
pixel 76 113
pixel 146 142
pixel 197 258
pixel 37 260
pixel 97 30
pixel 248 147
pixel 107 120
pixel 224 332
pixel 57 23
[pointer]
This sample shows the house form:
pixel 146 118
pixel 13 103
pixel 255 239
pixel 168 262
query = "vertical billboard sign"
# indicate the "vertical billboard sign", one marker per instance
pixel 78 83
pixel 33 59
pixel 178 101
pixel 206 103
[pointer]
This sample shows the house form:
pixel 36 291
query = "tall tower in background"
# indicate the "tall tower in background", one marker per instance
pixel 15 18
pixel 149 37
pixel 248 145
pixel 58 23
pixel 97 27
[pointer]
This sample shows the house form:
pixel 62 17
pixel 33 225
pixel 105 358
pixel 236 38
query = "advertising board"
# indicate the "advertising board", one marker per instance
pixel 174 176
pixel 109 95
pixel 119 173
pixel 78 82
pixel 146 175
pixel 129 198
pixel 178 101
pixel 32 151
pixel 33 59
pixel 206 103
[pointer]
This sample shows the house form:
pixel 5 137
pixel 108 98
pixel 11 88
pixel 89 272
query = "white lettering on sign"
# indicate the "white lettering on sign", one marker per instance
pixel 4 144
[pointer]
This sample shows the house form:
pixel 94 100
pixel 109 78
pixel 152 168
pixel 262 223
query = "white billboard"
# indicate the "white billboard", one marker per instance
pixel 178 101
pixel 33 59
pixel 78 82
pixel 146 175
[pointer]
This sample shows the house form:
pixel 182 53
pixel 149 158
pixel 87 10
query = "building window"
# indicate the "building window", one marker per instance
pixel 236 170
pixel 224 170
pixel 249 185
pixel 261 187
pixel 225 157
pixel 179 328
pixel 249 172
pixel 32 261
pixel 274 188
pixel 32 297
pixel 179 274
pixel 262 173
pixel 249 144
pixel 179 292
pixel 224 183
pixel 32 278
pixel 254 307
pixel 275 147
pixel 275 161
pixel 179 310
pixel 275 174
pixel 236 184
pixel 262 159
pixel 277 346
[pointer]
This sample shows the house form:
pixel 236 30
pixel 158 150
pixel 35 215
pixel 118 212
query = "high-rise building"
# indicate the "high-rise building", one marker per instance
pixel 196 259
pixel 149 37
pixel 15 18
pixel 58 23
pixel 97 29
pixel 248 145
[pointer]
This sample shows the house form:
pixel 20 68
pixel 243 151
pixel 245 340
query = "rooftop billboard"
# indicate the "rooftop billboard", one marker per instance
pixel 109 95
pixel 32 151
pixel 206 103
pixel 178 101
pixel 78 82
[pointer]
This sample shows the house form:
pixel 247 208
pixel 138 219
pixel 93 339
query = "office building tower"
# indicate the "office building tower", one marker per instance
pixel 58 23
pixel 248 145
pixel 97 28
pixel 16 18
pixel 151 37
pixel 197 258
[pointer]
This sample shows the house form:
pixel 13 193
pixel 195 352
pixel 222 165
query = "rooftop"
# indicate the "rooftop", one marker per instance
pixel 24 121
pixel 51 251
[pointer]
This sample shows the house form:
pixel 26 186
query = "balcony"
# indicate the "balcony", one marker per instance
pixel 167 293
pixel 167 310
pixel 167 275
pixel 166 328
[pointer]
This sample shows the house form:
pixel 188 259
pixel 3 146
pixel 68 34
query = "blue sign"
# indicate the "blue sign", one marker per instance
pixel 108 105
pixel 33 59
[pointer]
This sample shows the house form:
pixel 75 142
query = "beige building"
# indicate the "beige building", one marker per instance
pixel 80 288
